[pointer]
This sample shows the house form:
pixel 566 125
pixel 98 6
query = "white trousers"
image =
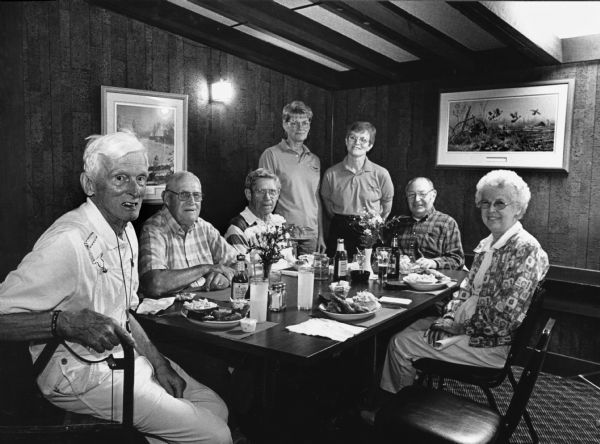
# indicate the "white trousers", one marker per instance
pixel 409 345
pixel 199 417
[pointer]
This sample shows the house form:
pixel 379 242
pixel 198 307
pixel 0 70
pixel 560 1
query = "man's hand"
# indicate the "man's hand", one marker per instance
pixel 92 329
pixel 215 281
pixel 426 263
pixel 226 271
pixel 169 380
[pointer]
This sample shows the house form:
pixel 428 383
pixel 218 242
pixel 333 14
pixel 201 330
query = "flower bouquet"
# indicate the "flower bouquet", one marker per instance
pixel 369 224
pixel 267 241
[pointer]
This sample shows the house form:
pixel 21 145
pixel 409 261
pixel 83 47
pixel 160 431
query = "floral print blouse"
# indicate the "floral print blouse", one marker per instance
pixel 515 270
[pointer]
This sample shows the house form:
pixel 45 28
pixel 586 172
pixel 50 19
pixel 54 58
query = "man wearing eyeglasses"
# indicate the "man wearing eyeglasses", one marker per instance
pixel 429 237
pixel 262 191
pixel 299 171
pixel 179 249
pixel 353 186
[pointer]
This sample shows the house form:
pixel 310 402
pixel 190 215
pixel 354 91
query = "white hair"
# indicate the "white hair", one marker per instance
pixel 113 146
pixel 503 179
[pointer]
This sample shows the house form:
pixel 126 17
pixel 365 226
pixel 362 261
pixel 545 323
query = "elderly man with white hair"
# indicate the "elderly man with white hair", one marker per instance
pixel 179 249
pixel 77 286
pixel 491 303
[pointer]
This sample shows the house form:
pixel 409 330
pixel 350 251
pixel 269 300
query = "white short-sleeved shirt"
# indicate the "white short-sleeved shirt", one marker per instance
pixel 74 265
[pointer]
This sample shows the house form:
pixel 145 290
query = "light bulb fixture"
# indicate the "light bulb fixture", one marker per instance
pixel 221 91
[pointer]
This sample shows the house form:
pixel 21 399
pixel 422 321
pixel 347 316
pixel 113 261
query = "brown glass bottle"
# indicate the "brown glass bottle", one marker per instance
pixel 394 267
pixel 340 262
pixel 239 283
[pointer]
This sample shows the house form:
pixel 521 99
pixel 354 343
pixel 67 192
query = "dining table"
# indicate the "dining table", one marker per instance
pixel 274 341
pixel 279 351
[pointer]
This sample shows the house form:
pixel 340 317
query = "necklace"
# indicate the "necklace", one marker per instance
pixel 127 295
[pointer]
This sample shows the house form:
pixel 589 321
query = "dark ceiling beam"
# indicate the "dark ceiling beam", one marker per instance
pixel 281 21
pixel 496 22
pixel 404 30
pixel 180 21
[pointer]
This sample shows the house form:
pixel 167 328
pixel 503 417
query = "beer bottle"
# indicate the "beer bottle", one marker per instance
pixel 394 272
pixel 340 262
pixel 239 282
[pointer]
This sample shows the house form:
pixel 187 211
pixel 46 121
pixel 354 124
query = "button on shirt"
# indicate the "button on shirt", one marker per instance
pixel 349 193
pixel 299 175
pixel 165 246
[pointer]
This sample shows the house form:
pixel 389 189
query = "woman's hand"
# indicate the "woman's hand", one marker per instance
pixel 443 328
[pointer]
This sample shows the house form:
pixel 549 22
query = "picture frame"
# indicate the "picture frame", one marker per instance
pixel 159 120
pixel 526 126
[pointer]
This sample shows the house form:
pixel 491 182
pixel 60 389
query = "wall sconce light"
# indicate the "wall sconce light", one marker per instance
pixel 221 91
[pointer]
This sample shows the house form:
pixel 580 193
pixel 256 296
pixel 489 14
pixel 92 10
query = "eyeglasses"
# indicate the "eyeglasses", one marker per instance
pixel 269 192
pixel 361 140
pixel 498 205
pixel 413 196
pixel 185 195
pixel 299 123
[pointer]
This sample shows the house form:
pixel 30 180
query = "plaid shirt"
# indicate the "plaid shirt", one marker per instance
pixel 165 246
pixel 518 264
pixel 435 236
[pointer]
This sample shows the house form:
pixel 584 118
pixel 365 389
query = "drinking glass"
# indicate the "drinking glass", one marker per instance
pixel 259 297
pixel 383 255
pixel 321 266
pixel 305 287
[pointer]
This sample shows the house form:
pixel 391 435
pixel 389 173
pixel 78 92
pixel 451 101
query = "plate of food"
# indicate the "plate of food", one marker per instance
pixel 427 281
pixel 360 306
pixel 210 315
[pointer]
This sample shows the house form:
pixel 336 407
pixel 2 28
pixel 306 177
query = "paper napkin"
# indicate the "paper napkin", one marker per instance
pixel 394 301
pixel 153 306
pixel 327 328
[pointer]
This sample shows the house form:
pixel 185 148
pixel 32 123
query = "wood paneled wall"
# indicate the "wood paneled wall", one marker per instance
pixel 564 214
pixel 55 56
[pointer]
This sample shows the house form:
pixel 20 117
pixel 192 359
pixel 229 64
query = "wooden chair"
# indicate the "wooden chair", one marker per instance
pixel 419 414
pixel 25 416
pixel 484 377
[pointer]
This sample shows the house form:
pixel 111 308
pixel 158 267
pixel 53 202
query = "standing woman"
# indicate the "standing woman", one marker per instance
pixel 354 185
pixel 299 171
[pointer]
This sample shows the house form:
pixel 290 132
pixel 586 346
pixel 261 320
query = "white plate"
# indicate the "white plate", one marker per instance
pixel 423 286
pixel 216 324
pixel 348 316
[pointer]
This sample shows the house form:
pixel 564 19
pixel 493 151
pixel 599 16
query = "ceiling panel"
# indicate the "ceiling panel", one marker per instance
pixel 340 44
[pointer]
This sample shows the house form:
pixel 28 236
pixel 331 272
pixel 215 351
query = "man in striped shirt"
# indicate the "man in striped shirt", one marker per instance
pixel 178 248
pixel 262 191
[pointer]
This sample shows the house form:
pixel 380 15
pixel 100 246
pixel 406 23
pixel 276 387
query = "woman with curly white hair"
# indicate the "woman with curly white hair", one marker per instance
pixel 479 322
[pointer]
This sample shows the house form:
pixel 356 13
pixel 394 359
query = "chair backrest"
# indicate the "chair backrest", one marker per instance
pixel 526 329
pixel 526 383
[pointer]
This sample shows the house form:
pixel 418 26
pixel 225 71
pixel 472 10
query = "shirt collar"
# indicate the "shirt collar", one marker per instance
pixel 101 225
pixel 172 223
pixel 424 218
pixel 252 219
pixel 285 147
pixel 367 166
pixel 488 243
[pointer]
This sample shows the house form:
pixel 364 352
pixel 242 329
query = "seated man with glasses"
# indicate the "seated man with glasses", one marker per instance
pixel 353 186
pixel 429 237
pixel 178 249
pixel 262 191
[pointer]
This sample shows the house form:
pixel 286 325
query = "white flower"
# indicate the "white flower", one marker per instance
pixel 277 219
pixel 367 231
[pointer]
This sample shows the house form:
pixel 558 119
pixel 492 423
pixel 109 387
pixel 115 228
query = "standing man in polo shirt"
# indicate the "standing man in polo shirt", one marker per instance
pixel 429 237
pixel 354 185
pixel 299 171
